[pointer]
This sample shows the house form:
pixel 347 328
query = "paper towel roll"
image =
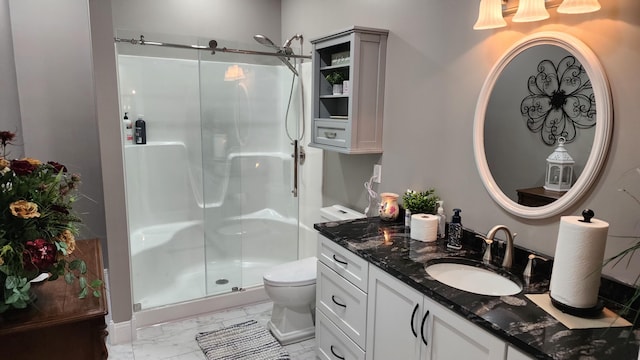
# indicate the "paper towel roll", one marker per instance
pixel 424 227
pixel 577 267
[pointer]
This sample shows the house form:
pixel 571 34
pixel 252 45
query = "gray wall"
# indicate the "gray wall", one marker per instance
pixel 54 74
pixel 9 104
pixel 436 65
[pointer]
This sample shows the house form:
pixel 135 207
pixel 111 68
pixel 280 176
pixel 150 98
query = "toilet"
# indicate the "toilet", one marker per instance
pixel 292 288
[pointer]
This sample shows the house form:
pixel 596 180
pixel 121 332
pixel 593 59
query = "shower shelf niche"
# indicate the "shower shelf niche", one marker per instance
pixel 349 123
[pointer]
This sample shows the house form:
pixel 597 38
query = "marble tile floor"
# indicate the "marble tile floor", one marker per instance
pixel 176 340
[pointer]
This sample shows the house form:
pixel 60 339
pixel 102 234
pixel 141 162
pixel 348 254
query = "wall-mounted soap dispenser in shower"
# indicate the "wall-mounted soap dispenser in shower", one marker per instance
pixel 140 135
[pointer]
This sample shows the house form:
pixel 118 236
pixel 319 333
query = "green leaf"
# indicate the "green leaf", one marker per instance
pixel 68 277
pixel 75 264
pixel 83 267
pixel 25 288
pixel 13 298
pixel 83 293
pixel 96 283
pixel 11 282
pixel 83 282
pixel 96 293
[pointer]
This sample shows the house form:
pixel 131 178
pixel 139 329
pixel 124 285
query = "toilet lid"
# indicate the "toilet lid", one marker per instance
pixel 295 273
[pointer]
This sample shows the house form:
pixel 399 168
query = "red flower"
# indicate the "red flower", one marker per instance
pixel 57 166
pixel 6 137
pixel 22 167
pixel 39 254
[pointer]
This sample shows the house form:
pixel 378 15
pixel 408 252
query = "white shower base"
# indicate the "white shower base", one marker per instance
pixel 191 282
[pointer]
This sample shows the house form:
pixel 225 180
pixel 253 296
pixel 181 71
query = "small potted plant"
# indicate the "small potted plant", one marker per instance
pixel 335 79
pixel 423 202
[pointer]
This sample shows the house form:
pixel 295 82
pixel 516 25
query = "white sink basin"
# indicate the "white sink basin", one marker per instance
pixel 474 279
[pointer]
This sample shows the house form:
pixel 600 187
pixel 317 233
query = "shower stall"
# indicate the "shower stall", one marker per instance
pixel 211 195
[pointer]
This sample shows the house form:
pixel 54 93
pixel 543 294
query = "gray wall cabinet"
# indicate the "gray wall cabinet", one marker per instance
pixel 350 121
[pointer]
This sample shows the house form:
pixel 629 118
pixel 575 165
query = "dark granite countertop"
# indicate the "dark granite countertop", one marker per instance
pixel 515 319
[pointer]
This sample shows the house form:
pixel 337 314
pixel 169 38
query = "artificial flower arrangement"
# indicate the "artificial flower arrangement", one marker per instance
pixel 37 227
pixel 423 202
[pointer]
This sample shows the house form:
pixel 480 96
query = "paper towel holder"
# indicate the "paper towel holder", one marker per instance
pixel 579 312
pixel 587 214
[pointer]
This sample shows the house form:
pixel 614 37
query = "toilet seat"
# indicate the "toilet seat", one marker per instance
pixel 296 273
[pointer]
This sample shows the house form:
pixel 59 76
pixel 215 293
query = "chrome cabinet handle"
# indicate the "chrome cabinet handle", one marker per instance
pixel 336 355
pixel 413 316
pixel 330 135
pixel 333 298
pixel 339 261
pixel 424 320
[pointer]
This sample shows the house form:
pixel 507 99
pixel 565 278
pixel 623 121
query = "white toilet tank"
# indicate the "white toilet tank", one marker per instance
pixel 338 213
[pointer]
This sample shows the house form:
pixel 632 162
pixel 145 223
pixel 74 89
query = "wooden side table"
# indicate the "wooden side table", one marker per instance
pixel 537 196
pixel 59 325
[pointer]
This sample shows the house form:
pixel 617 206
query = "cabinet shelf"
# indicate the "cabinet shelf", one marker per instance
pixel 349 123
pixel 334 67
pixel 334 96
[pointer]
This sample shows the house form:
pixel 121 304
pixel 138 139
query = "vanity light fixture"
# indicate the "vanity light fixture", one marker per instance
pixel 491 12
pixel 578 6
pixel 531 10
pixel 490 15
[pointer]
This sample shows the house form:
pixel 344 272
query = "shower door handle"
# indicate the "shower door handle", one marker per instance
pixel 298 159
pixel 295 168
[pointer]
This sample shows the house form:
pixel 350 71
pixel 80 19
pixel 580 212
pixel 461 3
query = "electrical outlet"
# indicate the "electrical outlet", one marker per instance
pixel 377 173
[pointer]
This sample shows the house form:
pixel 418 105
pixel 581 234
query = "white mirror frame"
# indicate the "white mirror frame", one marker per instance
pixel 603 128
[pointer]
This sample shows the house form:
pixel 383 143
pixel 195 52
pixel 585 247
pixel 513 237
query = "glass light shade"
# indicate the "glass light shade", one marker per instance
pixel 490 15
pixel 531 10
pixel 234 72
pixel 578 6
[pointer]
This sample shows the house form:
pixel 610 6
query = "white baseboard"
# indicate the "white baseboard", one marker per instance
pixel 120 333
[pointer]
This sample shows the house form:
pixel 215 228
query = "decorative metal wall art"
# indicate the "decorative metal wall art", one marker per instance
pixel 560 101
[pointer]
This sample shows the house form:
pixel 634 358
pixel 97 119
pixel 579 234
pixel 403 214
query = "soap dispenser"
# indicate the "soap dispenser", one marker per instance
pixel 442 219
pixel 454 241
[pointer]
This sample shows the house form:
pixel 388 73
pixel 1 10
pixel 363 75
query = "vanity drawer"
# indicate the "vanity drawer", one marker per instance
pixel 343 303
pixel 332 343
pixel 333 133
pixel 347 264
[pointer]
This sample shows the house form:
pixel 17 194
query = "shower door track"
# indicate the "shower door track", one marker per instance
pixel 213 47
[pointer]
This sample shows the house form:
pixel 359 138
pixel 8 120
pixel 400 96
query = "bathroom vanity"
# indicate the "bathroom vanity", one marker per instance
pixel 376 301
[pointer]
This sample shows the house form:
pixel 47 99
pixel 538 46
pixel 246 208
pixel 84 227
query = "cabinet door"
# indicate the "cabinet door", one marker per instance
pixel 453 337
pixel 514 354
pixel 394 316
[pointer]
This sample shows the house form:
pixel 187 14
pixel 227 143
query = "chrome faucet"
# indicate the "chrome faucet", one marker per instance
pixel 508 252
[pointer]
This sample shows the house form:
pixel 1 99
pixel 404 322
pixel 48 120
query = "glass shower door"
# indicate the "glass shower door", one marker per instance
pixel 250 214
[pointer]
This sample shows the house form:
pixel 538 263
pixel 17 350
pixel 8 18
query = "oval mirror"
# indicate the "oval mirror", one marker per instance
pixel 548 88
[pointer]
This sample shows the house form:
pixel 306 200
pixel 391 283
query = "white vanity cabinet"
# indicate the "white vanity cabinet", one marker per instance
pixel 341 302
pixel 351 121
pixel 515 354
pixel 404 324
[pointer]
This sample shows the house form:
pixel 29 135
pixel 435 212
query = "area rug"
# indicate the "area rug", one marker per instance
pixel 247 341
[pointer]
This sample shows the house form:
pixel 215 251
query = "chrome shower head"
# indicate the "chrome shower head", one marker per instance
pixel 265 41
pixel 287 44
pixel 282 51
